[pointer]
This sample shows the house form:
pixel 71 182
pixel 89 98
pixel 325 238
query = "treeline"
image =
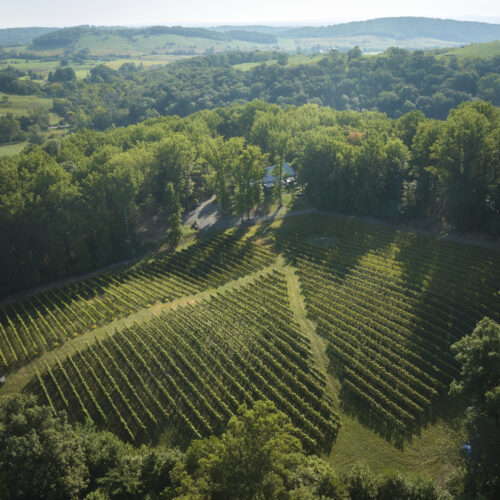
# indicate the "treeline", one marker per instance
pixel 251 36
pixel 395 82
pixel 71 205
pixel 42 456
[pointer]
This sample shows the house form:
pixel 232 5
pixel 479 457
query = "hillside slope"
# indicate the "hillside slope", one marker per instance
pixel 402 28
pixel 371 35
pixel 18 36
pixel 352 319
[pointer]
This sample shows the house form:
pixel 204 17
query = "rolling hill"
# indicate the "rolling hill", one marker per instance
pixel 372 36
pixel 330 318
pixel 487 49
pixel 22 36
pixel 404 28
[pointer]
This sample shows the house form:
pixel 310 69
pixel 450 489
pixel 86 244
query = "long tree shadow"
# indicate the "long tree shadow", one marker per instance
pixel 423 293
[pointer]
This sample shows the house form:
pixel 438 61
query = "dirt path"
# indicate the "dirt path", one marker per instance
pixel 18 379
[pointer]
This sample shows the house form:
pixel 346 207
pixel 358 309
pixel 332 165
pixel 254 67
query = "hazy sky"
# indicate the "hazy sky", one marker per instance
pixel 210 12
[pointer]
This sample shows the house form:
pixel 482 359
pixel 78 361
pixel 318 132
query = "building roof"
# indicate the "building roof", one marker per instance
pixel 288 171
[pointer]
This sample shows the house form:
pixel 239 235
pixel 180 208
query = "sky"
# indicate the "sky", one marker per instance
pixel 17 13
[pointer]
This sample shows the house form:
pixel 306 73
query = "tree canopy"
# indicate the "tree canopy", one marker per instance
pixel 73 204
pixel 479 383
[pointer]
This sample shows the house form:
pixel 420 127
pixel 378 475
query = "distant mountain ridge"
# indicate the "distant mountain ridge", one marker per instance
pixel 404 28
pixel 372 35
pixel 17 36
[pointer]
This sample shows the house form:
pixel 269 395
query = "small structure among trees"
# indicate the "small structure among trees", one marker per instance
pixel 270 177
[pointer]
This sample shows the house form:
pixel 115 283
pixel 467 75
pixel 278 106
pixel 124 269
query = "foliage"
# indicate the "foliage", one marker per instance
pixel 174 228
pixel 479 355
pixel 256 457
pixel 40 456
pixel 395 82
pixel 361 163
pixel 250 460
pixel 63 74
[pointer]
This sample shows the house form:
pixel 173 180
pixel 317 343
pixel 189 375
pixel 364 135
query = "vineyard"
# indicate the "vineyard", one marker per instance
pixel 44 321
pixel 390 305
pixel 190 369
pixel 341 317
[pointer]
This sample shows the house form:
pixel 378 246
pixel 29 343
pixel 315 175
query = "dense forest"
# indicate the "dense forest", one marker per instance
pixel 395 82
pixel 70 205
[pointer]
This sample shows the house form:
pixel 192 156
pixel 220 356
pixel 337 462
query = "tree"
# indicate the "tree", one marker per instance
pixel 40 456
pixel 479 355
pixel 354 53
pixel 250 460
pixel 489 88
pixel 223 156
pixel 407 126
pixel 35 135
pixel 278 144
pixel 174 226
pixel 283 59
pixel 175 157
pixel 248 173
pixel 10 129
pixel 464 159
pixel 64 74
pixel 362 483
pixel 421 169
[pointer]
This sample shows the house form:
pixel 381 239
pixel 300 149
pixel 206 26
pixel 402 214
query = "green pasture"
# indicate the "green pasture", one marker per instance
pixel 21 104
pixel 490 49
pixel 12 149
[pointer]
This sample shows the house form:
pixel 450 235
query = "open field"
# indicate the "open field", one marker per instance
pixel 489 49
pixel 21 104
pixel 143 47
pixel 325 316
pixel 12 149
pixel 43 67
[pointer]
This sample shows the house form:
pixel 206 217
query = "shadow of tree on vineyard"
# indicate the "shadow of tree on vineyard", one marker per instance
pixel 455 286
pixel 438 318
pixel 446 408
